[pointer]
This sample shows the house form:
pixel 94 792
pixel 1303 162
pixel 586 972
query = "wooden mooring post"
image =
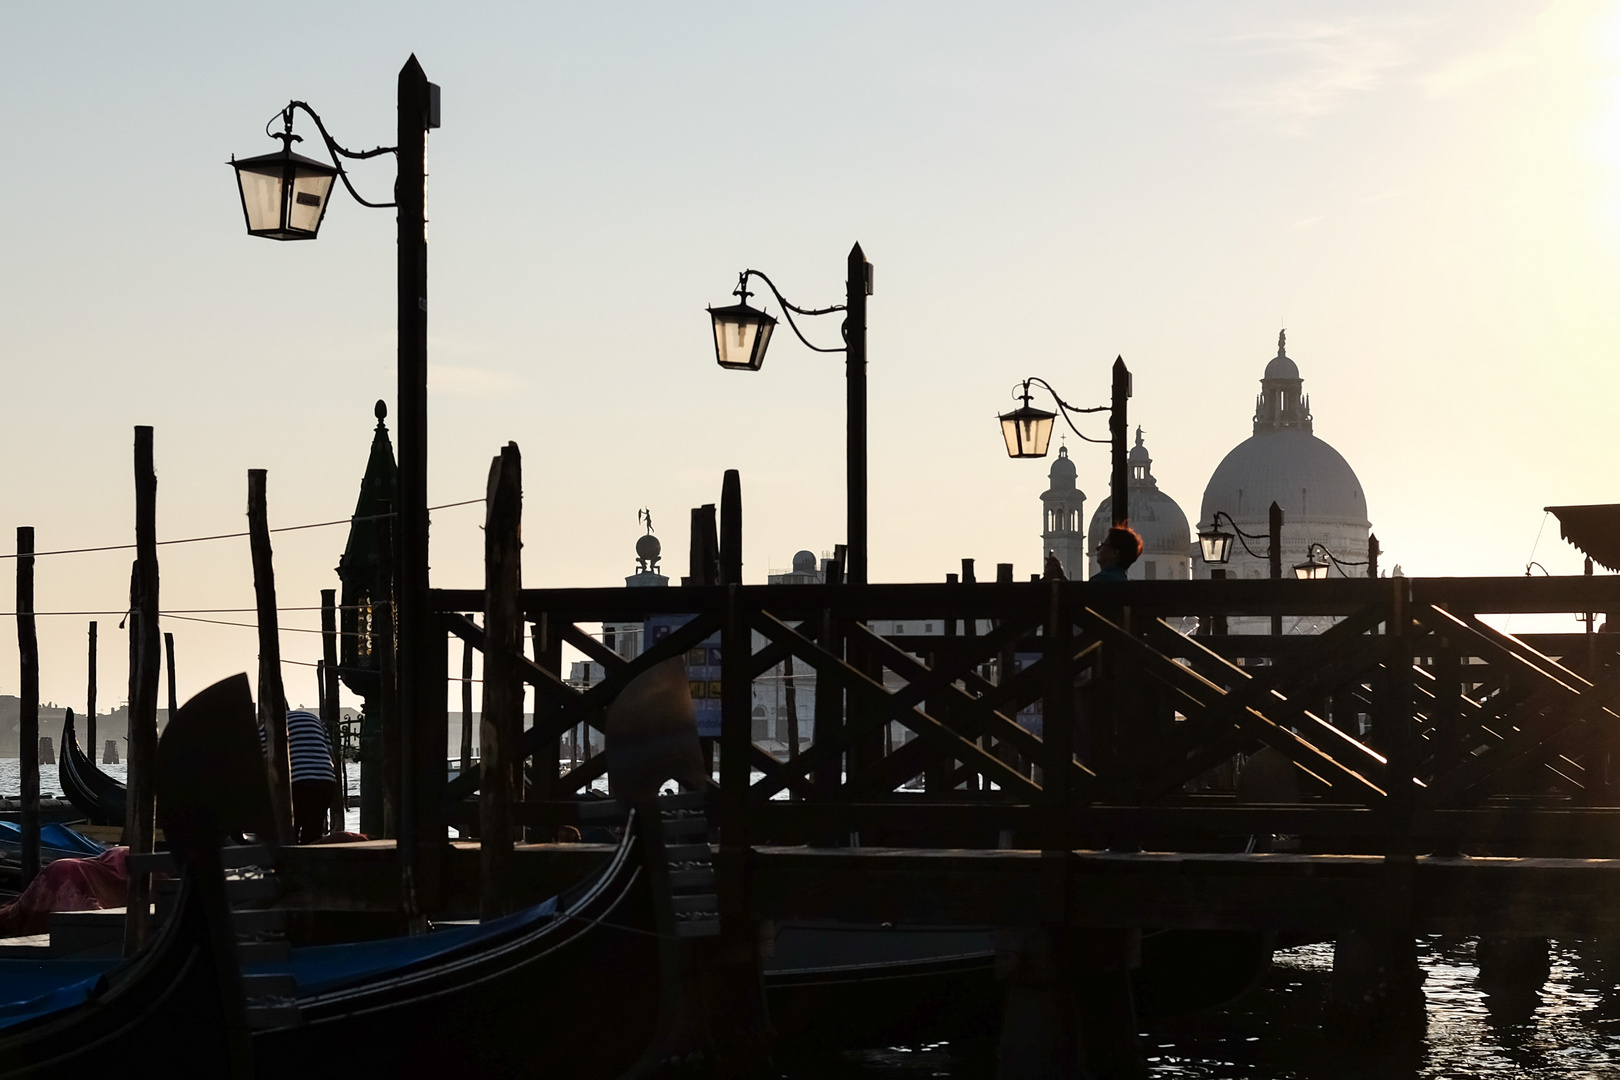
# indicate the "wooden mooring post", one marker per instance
pixel 144 646
pixel 168 657
pixel 501 727
pixel 28 733
pixel 331 708
pixel 272 696
pixel 90 700
pixel 383 608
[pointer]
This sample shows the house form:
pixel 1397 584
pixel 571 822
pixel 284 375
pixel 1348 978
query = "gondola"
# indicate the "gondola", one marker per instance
pixel 97 795
pixel 568 988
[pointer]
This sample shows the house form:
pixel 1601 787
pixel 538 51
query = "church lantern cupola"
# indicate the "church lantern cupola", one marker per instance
pixel 1063 506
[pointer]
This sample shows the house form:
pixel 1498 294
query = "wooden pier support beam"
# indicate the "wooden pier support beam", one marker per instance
pixel 501 728
pixel 1376 985
pixel 1512 971
pixel 1069 1006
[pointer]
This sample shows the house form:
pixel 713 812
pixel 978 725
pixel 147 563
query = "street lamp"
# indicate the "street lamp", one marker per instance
pixel 284 194
pixel 284 197
pixel 1312 569
pixel 1216 544
pixel 741 335
pixel 1216 547
pixel 1319 560
pixel 1027 431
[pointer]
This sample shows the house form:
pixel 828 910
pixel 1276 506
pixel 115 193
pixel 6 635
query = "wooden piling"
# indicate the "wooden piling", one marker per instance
pixel 28 733
pixel 90 699
pixel 272 697
pixel 1275 559
pixel 546 762
pixel 466 705
pixel 829 695
pixel 970 628
pixel 501 725
pixel 331 705
pixel 145 645
pixel 736 712
pixel 1119 483
pixel 382 609
pixel 168 656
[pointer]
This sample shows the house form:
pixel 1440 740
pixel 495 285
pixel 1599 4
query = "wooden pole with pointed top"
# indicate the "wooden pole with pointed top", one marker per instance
pixel 858 286
pixel 1119 490
pixel 423 718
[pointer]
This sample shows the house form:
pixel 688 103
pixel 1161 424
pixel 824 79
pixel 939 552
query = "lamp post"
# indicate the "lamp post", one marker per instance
pixel 284 197
pixel 741 335
pixel 1027 431
pixel 1319 560
pixel 1215 546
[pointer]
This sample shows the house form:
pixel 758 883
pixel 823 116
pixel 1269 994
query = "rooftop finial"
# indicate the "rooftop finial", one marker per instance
pixel 645 516
pixel 381 411
pixel 1282 342
pixel 1138 434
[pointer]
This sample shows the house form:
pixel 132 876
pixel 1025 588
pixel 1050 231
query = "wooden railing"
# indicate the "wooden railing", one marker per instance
pixel 1408 724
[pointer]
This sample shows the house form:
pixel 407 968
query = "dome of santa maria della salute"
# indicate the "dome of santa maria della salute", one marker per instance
pixel 1284 462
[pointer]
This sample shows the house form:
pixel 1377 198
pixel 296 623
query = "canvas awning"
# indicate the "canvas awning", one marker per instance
pixel 1594 529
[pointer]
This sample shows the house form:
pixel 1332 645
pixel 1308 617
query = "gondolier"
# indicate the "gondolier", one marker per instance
pixel 313 778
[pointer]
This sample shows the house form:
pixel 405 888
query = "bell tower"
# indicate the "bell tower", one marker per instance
pixel 1062 521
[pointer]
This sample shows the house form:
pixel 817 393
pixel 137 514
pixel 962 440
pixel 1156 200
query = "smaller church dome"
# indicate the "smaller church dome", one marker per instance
pixel 1166 536
pixel 804 562
pixel 1062 469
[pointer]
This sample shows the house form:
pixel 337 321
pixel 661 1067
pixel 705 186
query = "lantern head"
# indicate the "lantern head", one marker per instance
pixel 1215 544
pixel 284 195
pixel 1027 431
pixel 741 334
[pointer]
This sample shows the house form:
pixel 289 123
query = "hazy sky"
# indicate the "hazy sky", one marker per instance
pixel 1426 194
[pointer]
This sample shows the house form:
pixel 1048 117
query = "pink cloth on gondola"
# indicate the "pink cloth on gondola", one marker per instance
pixel 67 885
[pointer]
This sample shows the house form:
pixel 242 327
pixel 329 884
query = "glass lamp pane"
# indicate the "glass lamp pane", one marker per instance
pixel 1009 434
pixel 1039 433
pixel 310 192
pixel 261 196
pixel 734 343
pixel 760 343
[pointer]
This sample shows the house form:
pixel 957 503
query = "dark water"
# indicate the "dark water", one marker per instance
pixel 1571 1029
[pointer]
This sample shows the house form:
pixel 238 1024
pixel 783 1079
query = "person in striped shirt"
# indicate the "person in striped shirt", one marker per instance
pixel 314 781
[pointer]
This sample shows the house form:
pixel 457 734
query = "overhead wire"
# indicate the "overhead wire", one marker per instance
pixel 234 535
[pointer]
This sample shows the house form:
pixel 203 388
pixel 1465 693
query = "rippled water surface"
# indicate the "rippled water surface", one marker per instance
pixel 1571 1029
